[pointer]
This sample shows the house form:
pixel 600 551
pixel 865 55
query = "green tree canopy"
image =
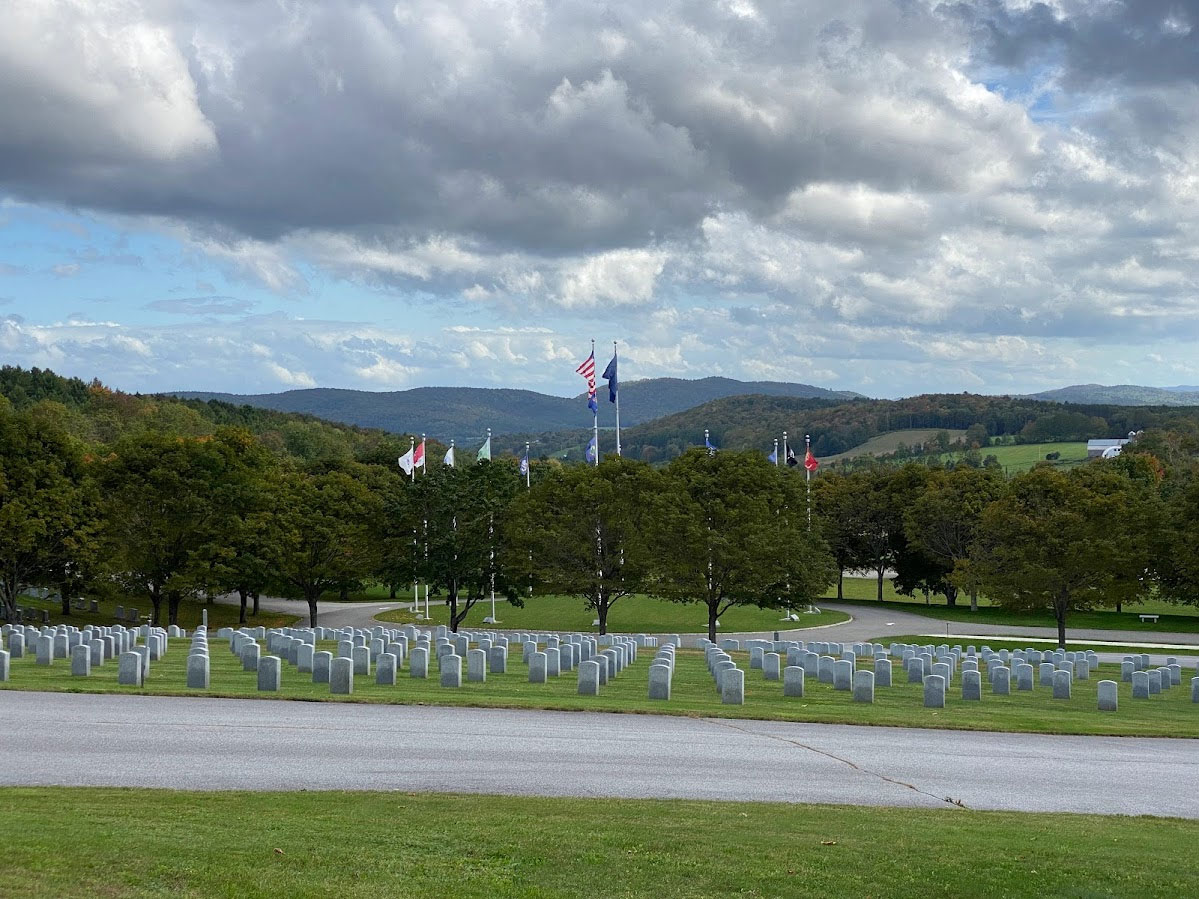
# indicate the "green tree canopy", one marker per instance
pixel 46 517
pixel 731 529
pixel 582 531
pixel 1065 540
pixel 322 526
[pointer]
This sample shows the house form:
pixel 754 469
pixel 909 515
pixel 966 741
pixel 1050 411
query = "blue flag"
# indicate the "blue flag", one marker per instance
pixel 773 458
pixel 591 450
pixel 708 444
pixel 610 376
pixel 524 464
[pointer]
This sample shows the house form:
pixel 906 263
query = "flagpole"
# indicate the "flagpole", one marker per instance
pixel 786 458
pixel 422 457
pixel 776 452
pixel 528 467
pixel 412 449
pixel 617 404
pixel 595 414
pixel 807 451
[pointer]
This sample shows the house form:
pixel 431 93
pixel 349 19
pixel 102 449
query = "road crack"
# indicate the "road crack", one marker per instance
pixel 956 803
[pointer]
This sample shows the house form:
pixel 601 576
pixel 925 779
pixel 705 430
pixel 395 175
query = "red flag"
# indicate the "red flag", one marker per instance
pixel 418 457
pixel 810 462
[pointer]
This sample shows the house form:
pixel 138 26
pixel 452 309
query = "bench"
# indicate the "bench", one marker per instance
pixel 1152 618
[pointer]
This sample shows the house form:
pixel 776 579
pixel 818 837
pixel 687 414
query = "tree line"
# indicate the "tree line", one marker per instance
pixel 168 517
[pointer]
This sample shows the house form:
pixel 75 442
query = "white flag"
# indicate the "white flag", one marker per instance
pixel 407 463
pixel 449 457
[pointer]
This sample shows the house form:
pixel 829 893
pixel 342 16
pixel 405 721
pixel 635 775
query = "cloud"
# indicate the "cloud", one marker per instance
pixel 887 193
pixel 202 306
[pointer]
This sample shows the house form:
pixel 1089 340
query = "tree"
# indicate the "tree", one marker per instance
pixel 582 531
pixel 1177 555
pixel 465 507
pixel 45 514
pixel 239 555
pixel 731 529
pixel 942 521
pixel 1064 540
pixel 160 510
pixel 322 525
pixel 834 502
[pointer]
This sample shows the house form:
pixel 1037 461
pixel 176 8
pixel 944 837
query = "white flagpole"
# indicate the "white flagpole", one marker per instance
pixel 453 461
pixel 528 467
pixel 807 449
pixel 785 456
pixel 424 462
pixel 595 414
pixel 776 452
pixel 617 399
pixel 412 449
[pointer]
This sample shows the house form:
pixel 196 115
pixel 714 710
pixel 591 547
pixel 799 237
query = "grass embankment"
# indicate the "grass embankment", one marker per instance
pixel 133 843
pixel 693 694
pixel 219 614
pixel 998 643
pixel 1173 618
pixel 630 615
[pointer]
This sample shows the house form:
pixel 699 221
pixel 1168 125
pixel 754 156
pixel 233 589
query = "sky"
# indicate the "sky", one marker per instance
pixel 889 197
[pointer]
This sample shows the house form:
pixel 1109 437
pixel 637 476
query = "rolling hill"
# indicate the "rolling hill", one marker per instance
pixel 1121 394
pixel 465 413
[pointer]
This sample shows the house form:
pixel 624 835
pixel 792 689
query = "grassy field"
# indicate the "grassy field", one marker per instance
pixel 997 643
pixel 693 693
pixel 1019 457
pixel 630 615
pixel 885 444
pixel 219 614
pixel 137 843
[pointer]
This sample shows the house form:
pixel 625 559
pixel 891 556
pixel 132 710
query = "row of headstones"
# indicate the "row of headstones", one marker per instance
pixel 661 672
pixel 87 649
pixel 387 649
pixel 729 679
pixel 1057 670
pixel 20 639
pixel 134 664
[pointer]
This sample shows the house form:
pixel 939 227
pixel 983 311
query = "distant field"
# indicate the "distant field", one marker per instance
pixel 889 442
pixel 1021 457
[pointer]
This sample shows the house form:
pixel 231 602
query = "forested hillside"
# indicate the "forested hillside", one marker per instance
pixel 464 413
pixel 1122 394
pixel 100 416
pixel 746 422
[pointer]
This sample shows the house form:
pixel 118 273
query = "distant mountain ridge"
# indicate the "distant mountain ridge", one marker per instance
pixel 466 412
pixel 1122 395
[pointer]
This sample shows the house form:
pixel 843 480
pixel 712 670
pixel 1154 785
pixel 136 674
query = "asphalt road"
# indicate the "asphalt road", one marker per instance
pixel 224 744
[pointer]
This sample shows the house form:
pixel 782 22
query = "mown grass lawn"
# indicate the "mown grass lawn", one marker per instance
pixel 190 614
pixel 75 842
pixel 630 615
pixel 1172 617
pixel 1170 714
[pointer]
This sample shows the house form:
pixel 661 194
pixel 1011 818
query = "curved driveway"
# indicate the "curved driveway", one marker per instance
pixel 226 744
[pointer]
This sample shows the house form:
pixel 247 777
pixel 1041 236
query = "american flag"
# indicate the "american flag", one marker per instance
pixel 587 370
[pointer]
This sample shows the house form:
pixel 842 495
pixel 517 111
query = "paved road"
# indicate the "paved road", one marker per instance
pixel 220 744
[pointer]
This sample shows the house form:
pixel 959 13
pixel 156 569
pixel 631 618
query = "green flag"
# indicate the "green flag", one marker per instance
pixel 485 451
